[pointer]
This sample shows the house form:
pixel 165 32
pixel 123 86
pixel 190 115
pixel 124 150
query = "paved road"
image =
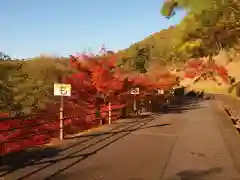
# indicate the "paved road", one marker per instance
pixel 184 144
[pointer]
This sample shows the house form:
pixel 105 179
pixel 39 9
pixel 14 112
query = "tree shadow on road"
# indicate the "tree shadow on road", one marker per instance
pixel 95 134
pixel 182 105
pixel 23 158
pixel 138 116
pixel 45 158
pixel 197 174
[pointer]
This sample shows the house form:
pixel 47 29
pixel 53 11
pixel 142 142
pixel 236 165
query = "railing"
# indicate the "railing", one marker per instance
pixel 23 132
pixel 20 133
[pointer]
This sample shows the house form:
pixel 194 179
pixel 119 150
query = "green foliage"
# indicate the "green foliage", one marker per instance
pixel 27 86
pixel 208 27
pixel 168 8
pixel 214 22
pixel 4 57
pixel 142 58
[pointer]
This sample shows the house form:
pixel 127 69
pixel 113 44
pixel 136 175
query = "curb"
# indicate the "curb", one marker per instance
pixel 230 134
pixel 87 131
pixel 51 144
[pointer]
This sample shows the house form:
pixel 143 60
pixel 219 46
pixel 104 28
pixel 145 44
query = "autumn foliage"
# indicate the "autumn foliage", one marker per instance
pixel 206 69
pixel 98 81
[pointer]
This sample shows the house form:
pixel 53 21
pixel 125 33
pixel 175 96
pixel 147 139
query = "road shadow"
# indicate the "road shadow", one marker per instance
pixel 95 134
pixel 50 156
pixel 197 174
pixel 137 116
pixel 182 105
pixel 23 158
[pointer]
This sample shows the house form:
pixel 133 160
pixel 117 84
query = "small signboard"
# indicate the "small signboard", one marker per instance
pixel 62 89
pixel 160 91
pixel 135 91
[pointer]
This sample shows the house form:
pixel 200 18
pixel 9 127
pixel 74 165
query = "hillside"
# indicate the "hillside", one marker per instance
pixel 28 85
pixel 210 29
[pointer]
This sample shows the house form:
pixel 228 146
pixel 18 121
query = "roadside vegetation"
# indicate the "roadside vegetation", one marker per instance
pixel 210 30
pixel 203 47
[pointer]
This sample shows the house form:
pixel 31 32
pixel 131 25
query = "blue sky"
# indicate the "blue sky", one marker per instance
pixel 63 27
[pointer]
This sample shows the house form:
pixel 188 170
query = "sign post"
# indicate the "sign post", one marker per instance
pixel 135 91
pixel 61 118
pixel 150 105
pixel 160 91
pixel 62 90
pixel 109 113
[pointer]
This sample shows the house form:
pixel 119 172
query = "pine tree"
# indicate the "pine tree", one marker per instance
pixel 142 59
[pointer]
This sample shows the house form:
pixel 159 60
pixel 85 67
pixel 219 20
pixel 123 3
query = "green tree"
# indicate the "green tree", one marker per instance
pixel 21 94
pixel 142 59
pixel 215 22
pixel 4 56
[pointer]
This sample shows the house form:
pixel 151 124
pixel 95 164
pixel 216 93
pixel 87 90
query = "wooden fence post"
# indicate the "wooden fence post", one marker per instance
pixel 109 113
pixel 61 119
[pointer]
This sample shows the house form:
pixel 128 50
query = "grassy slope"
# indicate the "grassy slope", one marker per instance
pixel 42 72
pixel 162 42
pixel 37 68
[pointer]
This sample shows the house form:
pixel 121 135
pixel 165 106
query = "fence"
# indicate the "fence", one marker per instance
pixel 23 132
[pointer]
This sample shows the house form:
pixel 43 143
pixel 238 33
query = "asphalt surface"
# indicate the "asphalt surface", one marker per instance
pixel 185 143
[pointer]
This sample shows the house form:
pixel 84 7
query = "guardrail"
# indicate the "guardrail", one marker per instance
pixel 23 132
pixel 20 133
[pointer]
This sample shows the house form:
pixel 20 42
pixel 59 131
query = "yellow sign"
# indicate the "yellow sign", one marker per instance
pixel 62 89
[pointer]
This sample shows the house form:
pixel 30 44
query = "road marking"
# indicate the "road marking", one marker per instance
pixel 154 134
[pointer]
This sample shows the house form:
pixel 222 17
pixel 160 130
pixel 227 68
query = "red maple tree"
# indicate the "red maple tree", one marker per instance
pixel 205 69
pixel 98 80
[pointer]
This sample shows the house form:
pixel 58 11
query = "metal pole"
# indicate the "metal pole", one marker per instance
pixel 109 113
pixel 150 105
pixel 61 118
pixel 135 104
